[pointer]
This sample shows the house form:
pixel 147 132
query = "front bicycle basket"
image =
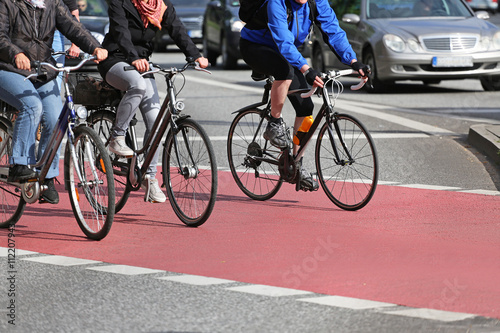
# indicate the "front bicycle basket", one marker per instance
pixel 91 91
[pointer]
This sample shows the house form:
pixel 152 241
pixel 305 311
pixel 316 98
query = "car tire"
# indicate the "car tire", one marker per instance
pixel 374 85
pixel 318 59
pixel 209 54
pixel 491 82
pixel 228 60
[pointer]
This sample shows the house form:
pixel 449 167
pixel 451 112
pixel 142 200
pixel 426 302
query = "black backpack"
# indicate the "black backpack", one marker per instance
pixel 254 12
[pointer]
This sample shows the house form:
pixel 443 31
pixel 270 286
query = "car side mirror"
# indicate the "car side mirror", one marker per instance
pixel 215 3
pixel 351 18
pixel 483 15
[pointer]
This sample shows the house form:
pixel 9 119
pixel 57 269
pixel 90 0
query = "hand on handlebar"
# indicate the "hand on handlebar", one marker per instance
pixel 22 61
pixel 361 68
pixel 142 65
pixel 73 51
pixel 203 62
pixel 101 54
pixel 313 77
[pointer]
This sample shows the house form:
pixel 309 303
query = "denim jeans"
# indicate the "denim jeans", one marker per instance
pixel 36 102
pixel 58 46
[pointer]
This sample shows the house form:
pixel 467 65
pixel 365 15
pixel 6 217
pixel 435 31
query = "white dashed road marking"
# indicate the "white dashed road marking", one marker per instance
pixel 125 269
pixel 195 280
pixel 432 314
pixel 61 260
pixel 347 302
pixel 263 290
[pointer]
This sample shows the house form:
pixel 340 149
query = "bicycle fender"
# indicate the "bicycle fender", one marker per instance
pixel 249 107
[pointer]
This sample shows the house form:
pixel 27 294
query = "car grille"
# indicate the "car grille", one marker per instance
pixel 450 43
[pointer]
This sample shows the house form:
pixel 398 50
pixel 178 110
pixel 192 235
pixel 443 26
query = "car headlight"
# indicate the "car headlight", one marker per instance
pixel 394 43
pixel 236 25
pixel 485 43
pixel 496 41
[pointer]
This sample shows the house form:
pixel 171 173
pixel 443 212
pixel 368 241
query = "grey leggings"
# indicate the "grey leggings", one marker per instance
pixel 140 93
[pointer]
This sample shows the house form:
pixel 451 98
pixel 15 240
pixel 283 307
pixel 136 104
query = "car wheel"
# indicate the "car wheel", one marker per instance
pixel 209 54
pixel 491 82
pixel 318 60
pixel 374 85
pixel 228 60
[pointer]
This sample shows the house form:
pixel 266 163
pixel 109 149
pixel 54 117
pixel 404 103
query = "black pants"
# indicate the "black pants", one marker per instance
pixel 266 60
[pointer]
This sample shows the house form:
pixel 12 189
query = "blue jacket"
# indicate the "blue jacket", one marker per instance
pixel 285 37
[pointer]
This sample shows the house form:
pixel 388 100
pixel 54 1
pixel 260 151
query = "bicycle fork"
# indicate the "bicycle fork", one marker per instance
pixel 339 161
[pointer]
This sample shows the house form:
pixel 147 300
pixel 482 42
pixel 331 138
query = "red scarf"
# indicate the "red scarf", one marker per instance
pixel 151 11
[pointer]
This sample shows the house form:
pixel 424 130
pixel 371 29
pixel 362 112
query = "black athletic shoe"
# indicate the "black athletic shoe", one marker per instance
pixel 50 195
pixel 20 173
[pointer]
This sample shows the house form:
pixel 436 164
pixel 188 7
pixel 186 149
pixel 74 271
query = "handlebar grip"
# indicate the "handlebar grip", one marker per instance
pixel 129 68
pixel 308 94
pixel 360 84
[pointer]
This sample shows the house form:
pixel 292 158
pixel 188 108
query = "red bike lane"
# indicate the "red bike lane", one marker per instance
pixel 414 247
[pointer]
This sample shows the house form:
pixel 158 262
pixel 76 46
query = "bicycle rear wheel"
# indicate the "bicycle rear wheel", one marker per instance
pixel 93 198
pixel 102 121
pixel 349 182
pixel 11 201
pixel 190 173
pixel 258 179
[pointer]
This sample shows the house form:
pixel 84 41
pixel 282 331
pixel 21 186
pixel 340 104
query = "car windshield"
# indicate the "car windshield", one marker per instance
pixel 190 3
pixel 92 8
pixel 415 8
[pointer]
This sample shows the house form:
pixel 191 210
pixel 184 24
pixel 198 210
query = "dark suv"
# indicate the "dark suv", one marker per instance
pixel 221 32
pixel 190 13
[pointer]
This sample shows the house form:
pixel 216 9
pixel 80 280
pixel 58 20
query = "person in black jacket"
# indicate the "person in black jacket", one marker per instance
pixel 26 35
pixel 132 27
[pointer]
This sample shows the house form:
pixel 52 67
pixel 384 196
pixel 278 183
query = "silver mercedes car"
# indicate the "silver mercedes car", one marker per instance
pixel 426 40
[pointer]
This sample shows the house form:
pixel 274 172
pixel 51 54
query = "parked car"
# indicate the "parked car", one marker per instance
pixel 190 13
pixel 94 16
pixel 488 5
pixel 221 32
pixel 399 43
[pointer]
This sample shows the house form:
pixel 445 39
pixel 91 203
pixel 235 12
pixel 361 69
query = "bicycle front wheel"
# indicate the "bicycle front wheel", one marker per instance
pixel 246 151
pixel 350 180
pixel 11 201
pixel 102 121
pixel 89 180
pixel 190 172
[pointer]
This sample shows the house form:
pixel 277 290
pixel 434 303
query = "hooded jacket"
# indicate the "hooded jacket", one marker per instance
pixel 30 30
pixel 285 35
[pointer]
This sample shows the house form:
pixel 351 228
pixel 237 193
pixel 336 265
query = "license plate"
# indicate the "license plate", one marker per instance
pixel 452 62
pixel 195 33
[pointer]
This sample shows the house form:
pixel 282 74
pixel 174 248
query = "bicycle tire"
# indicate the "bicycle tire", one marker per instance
pixel 94 207
pixel 258 180
pixel 350 186
pixel 102 121
pixel 12 203
pixel 193 194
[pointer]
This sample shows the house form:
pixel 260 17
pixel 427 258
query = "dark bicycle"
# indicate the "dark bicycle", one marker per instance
pixel 345 155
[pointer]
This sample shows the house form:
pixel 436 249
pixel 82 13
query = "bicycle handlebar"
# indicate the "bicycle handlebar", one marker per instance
pixel 155 68
pixel 38 66
pixel 336 74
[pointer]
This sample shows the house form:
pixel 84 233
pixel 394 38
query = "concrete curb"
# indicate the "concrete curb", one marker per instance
pixel 486 139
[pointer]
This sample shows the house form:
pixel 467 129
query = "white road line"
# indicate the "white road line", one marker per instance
pixel 197 280
pixel 357 107
pixel 440 315
pixel 485 192
pixel 4 252
pixel 430 187
pixel 124 269
pixel 61 260
pixel 347 302
pixel 263 290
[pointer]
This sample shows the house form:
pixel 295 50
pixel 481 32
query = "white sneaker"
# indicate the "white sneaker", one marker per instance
pixel 155 192
pixel 119 147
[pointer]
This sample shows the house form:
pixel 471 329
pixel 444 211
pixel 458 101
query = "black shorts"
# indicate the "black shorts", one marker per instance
pixel 266 60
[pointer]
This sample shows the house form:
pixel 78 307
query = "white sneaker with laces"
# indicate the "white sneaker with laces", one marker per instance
pixel 119 147
pixel 155 192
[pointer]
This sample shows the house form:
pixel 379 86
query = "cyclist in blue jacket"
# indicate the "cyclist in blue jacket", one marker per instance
pixel 272 49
